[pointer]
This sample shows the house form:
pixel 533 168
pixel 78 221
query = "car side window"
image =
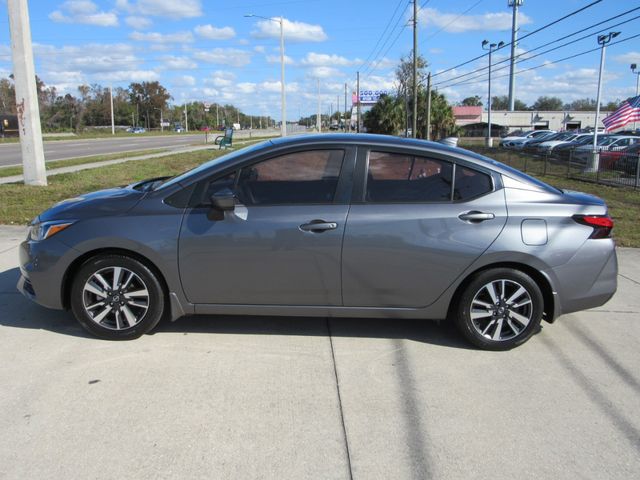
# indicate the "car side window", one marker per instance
pixel 217 185
pixel 396 177
pixel 470 183
pixel 309 177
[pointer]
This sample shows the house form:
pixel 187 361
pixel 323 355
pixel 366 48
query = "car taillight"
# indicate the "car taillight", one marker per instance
pixel 602 224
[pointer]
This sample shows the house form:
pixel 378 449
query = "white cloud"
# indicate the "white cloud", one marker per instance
pixel 174 9
pixel 456 23
pixel 326 60
pixel 186 80
pixel 243 41
pixel 276 59
pixel 84 12
pixel 293 31
pixel 171 62
pixel 214 33
pixel 259 48
pixel 275 87
pixel 220 79
pixel 155 37
pixel 324 72
pixel 436 51
pixel 89 59
pixel 246 87
pixel 130 76
pixel 224 56
pixel 139 23
pixel 629 57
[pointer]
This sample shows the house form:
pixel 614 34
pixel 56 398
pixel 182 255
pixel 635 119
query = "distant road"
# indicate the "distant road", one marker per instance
pixel 10 153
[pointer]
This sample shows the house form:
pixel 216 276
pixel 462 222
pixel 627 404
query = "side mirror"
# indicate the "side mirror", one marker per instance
pixel 222 201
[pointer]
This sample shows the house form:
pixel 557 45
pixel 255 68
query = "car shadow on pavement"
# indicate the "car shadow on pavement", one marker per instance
pixel 425 331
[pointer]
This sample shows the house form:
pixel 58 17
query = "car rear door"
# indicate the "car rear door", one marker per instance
pixel 412 229
pixel 282 243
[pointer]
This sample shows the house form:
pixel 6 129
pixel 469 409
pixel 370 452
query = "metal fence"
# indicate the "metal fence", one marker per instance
pixel 614 168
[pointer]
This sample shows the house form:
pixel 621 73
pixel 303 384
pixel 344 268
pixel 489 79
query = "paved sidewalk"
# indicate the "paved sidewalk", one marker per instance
pixel 293 398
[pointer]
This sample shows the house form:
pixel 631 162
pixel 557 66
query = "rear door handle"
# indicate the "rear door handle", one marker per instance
pixel 318 226
pixel 476 217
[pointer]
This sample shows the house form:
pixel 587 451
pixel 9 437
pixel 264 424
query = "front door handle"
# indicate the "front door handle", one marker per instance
pixel 476 217
pixel 318 226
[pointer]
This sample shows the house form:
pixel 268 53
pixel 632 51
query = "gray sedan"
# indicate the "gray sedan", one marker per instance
pixel 332 225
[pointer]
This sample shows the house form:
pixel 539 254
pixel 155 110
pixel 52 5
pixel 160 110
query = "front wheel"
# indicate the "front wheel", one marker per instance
pixel 116 297
pixel 499 309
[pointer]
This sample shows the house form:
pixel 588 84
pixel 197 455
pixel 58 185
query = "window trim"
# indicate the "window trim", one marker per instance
pixel 362 169
pixel 342 194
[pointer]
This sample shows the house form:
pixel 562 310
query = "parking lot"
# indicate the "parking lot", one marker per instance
pixel 258 397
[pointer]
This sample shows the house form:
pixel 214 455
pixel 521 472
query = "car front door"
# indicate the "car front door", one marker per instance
pixel 420 221
pixel 281 245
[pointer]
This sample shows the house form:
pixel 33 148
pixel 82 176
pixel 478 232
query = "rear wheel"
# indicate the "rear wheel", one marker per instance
pixel 499 309
pixel 116 297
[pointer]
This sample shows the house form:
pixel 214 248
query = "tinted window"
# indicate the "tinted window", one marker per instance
pixel 470 183
pixel 296 178
pixel 394 177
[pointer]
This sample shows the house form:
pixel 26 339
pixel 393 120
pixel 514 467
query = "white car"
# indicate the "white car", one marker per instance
pixel 547 147
pixel 518 143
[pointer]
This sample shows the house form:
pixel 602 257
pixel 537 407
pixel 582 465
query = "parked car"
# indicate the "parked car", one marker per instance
pixel 518 142
pixel 611 142
pixel 178 128
pixel 565 151
pixel 531 145
pixel 623 160
pixel 136 130
pixel 547 147
pixel 327 225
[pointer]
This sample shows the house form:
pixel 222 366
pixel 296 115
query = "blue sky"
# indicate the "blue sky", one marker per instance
pixel 207 50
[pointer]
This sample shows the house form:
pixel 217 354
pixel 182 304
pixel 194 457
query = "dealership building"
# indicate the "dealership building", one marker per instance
pixel 474 120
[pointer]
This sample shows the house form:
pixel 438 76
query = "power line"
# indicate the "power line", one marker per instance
pixel 589 35
pixel 383 32
pixel 452 21
pixel 521 38
pixel 372 67
pixel 570 57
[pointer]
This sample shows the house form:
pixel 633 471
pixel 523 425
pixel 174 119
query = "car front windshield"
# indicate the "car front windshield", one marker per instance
pixel 212 163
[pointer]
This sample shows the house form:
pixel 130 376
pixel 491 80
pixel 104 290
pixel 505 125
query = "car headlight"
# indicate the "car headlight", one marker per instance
pixel 44 230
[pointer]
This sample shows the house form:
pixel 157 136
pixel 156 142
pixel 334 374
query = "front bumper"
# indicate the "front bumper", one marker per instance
pixel 42 269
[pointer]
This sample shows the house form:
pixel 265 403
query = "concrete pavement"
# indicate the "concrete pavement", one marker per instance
pixel 258 397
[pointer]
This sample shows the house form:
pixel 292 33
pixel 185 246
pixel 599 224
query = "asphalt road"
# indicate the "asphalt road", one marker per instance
pixel 293 398
pixel 10 153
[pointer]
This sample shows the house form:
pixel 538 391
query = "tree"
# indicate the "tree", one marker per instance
pixel 7 96
pixel 150 98
pixel 472 101
pixel 611 106
pixel 582 104
pixel 386 116
pixel 443 122
pixel 548 103
pixel 502 103
pixel 404 74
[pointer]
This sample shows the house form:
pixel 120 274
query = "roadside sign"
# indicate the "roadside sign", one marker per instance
pixel 207 105
pixel 206 110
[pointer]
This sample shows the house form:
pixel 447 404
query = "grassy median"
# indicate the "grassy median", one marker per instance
pixel 20 203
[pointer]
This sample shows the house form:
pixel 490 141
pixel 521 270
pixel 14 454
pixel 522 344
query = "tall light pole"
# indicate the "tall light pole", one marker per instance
pixel 414 125
pixel 514 42
pixel 26 94
pixel 637 74
pixel 280 20
pixel 113 124
pixel 491 47
pixel 603 40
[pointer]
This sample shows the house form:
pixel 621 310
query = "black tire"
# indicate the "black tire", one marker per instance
pixel 144 278
pixel 503 315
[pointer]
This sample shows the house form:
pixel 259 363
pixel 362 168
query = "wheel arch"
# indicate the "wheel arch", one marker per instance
pixel 541 280
pixel 69 274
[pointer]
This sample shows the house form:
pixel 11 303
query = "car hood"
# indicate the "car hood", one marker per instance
pixel 112 201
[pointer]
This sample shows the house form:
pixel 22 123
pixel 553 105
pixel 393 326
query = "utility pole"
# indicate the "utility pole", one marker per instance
pixel 428 133
pixel 186 119
pixel 603 40
pixel 217 117
pixel 318 117
pixel 514 42
pixel 338 110
pixel 358 101
pixel 345 108
pixel 634 68
pixel 491 48
pixel 113 124
pixel 26 94
pixel 414 127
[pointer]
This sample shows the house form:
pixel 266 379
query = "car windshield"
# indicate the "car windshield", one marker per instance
pixel 211 163
pixel 607 141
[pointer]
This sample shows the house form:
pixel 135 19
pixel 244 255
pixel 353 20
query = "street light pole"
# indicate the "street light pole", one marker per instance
pixel 113 125
pixel 491 48
pixel 283 97
pixel 603 40
pixel 514 42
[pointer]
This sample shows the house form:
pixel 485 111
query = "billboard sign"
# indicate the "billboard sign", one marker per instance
pixel 371 96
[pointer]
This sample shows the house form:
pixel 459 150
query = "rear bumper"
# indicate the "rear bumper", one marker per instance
pixel 588 280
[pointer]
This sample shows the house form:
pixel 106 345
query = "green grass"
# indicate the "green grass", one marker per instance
pixel 101 134
pixel 17 170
